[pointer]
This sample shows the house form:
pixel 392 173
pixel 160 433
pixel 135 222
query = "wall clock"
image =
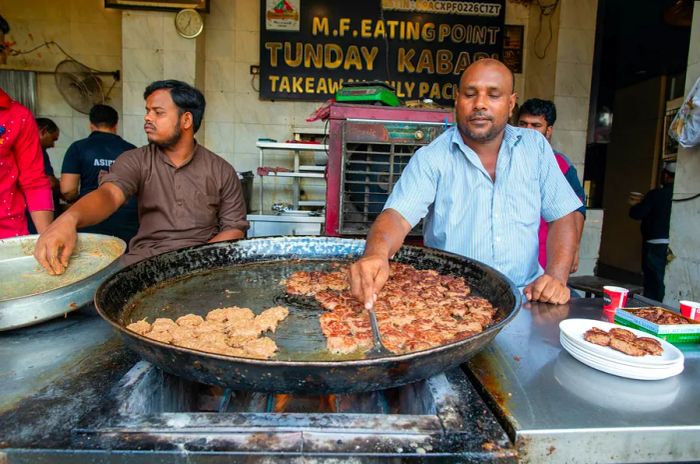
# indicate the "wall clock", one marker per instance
pixel 189 23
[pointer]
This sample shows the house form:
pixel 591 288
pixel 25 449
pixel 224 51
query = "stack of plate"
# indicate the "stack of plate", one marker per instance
pixel 614 362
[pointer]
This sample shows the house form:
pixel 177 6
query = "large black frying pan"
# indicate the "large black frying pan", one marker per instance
pixel 247 273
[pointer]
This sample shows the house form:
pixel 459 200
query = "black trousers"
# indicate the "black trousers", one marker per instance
pixel 654 268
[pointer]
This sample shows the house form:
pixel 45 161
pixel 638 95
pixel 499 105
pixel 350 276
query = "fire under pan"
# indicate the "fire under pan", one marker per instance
pixel 438 419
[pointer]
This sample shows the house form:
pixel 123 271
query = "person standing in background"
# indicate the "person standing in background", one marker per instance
pixel 23 183
pixel 654 210
pixel 83 164
pixel 541 115
pixel 48 135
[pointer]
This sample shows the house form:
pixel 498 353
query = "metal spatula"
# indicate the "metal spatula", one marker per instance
pixel 379 349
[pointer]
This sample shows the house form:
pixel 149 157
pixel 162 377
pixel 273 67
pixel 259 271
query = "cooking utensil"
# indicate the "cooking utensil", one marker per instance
pixel 247 273
pixel 28 295
pixel 379 349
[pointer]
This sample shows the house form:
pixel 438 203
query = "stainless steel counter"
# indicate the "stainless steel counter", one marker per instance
pixel 560 410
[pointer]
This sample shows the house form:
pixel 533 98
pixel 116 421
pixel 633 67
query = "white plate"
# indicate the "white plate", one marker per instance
pixel 595 358
pixel 574 329
pixel 611 392
pixel 621 369
pixel 630 373
pixel 628 361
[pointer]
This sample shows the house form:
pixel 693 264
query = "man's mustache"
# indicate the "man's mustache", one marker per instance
pixel 480 115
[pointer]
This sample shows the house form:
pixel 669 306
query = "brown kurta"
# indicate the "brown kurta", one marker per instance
pixel 178 207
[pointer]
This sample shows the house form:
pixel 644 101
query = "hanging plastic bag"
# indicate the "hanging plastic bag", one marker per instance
pixel 685 127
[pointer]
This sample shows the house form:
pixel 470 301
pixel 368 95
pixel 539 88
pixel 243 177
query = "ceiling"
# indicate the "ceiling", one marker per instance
pixel 638 44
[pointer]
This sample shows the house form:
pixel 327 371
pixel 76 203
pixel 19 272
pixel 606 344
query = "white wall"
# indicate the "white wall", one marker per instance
pixel 85 30
pixel 683 273
pixel 235 116
pixel 559 68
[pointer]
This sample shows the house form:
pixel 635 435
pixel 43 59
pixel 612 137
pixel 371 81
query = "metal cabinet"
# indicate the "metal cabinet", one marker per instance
pixel 298 172
pixel 369 148
pixel 267 223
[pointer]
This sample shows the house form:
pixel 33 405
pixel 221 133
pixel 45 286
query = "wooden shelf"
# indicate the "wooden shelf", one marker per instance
pixel 309 175
pixel 292 146
pixel 306 167
pixel 312 203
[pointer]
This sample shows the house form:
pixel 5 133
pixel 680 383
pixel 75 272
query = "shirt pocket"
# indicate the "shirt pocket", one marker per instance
pixel 205 210
pixel 524 202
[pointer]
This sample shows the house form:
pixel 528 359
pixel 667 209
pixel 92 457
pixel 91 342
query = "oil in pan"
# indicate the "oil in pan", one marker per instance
pixel 257 286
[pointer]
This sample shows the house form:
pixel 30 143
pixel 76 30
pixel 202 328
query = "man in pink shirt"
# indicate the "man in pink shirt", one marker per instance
pixel 540 115
pixel 23 182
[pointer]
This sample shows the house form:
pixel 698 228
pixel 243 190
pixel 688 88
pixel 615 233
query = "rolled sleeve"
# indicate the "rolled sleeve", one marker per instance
pixel 125 173
pixel 415 190
pixel 572 177
pixel 232 213
pixel 558 198
pixel 39 200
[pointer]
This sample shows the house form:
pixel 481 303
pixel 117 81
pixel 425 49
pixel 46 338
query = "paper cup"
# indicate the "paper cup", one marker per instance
pixel 690 309
pixel 635 197
pixel 614 297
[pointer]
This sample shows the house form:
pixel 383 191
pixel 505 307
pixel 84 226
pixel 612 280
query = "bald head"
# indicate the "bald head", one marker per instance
pixel 484 102
pixel 490 63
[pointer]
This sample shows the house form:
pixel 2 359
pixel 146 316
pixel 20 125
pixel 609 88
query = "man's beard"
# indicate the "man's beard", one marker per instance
pixel 484 137
pixel 171 141
pixel 489 135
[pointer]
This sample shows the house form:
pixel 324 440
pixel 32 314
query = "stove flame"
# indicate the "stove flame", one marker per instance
pixel 282 402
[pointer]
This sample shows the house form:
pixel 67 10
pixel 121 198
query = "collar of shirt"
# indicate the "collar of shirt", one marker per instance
pixel 510 140
pixel 166 159
pixel 99 133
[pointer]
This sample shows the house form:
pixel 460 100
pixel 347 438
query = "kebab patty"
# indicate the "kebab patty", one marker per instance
pixel 624 341
pixel 629 347
pixel 229 331
pixel 660 316
pixel 597 336
pixel 417 309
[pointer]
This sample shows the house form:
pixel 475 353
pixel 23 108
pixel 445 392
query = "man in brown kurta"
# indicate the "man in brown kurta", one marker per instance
pixel 178 206
pixel 187 195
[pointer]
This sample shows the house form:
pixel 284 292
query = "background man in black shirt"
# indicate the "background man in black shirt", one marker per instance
pixel 86 159
pixel 654 210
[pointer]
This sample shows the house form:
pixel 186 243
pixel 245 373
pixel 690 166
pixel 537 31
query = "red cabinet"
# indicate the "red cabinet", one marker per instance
pixel 369 146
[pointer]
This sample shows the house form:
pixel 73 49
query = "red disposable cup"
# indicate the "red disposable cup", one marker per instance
pixel 690 309
pixel 614 297
pixel 609 315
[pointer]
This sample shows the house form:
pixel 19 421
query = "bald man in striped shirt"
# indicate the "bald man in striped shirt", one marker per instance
pixel 482 187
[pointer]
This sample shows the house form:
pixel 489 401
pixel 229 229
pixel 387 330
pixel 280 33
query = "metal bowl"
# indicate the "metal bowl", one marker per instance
pixel 28 295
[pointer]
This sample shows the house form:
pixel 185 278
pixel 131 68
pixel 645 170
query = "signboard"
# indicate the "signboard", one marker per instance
pixel 310 47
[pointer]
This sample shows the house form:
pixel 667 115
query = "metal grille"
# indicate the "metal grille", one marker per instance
pixel 374 156
pixel 21 86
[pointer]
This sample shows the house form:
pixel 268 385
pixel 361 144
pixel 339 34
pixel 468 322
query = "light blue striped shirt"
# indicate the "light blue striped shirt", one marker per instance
pixel 469 214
